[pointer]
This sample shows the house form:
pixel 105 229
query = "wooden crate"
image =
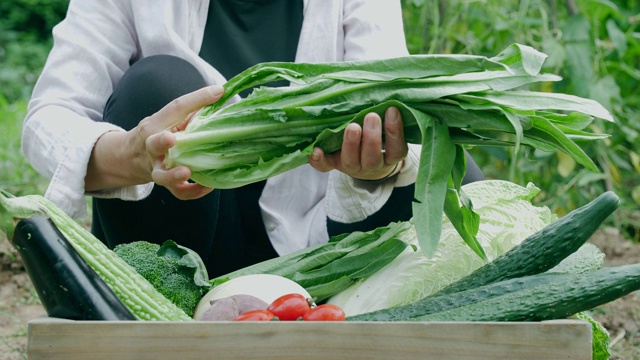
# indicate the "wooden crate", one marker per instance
pixel 64 339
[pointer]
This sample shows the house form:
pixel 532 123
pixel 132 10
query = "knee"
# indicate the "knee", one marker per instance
pixel 147 86
pixel 168 73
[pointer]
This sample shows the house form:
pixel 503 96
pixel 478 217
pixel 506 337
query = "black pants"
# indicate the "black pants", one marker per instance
pixel 225 227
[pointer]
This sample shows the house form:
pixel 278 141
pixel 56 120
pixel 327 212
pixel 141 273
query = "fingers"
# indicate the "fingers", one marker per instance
pixel 158 144
pixel 361 149
pixel 395 145
pixel 174 113
pixel 321 161
pixel 352 145
pixel 367 152
pixel 176 181
pixel 347 159
pixel 371 154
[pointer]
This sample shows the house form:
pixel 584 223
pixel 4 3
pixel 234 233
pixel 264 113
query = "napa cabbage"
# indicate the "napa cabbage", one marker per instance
pixel 507 217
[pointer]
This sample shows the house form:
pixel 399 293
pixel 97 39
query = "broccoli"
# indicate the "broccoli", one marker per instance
pixel 176 272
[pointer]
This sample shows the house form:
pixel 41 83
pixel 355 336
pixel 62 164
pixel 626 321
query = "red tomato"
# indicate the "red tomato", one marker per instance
pixel 255 315
pixel 289 307
pixel 325 312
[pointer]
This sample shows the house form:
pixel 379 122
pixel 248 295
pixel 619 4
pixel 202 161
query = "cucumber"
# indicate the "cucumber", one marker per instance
pixel 561 296
pixel 539 297
pixel 544 249
pixel 440 303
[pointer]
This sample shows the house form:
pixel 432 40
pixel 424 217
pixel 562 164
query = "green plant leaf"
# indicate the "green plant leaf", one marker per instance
pixel 437 157
pixel 190 262
pixel 579 54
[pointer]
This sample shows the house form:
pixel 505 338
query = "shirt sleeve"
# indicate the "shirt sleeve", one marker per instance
pixel 349 200
pixel 93 46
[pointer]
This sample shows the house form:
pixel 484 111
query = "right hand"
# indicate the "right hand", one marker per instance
pixel 137 156
pixel 361 155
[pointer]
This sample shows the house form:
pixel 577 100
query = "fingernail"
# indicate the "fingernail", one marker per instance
pixel 315 155
pixel 372 124
pixel 391 115
pixel 352 134
pixel 216 90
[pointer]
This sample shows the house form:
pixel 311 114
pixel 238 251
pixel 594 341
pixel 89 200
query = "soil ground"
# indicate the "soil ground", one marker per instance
pixel 19 302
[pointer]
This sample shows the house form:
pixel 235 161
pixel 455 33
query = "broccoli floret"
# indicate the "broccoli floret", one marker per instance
pixel 164 267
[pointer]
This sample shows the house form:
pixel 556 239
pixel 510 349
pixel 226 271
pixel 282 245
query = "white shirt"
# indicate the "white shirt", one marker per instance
pixel 99 39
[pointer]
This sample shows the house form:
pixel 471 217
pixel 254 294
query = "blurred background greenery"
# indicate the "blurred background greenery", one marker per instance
pixel 593 44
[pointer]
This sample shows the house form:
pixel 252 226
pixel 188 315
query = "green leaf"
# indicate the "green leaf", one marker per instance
pixel 531 100
pixel 325 269
pixel 190 262
pixel 525 57
pixel 545 131
pixel 352 268
pixel 459 209
pixel 601 339
pixel 578 47
pixel 436 163
pixel 617 36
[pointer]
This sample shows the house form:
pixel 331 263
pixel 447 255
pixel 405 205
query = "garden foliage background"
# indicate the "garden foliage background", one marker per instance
pixel 593 44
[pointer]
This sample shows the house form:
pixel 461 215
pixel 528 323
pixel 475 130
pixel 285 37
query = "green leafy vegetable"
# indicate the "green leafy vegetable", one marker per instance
pixel 327 269
pixel 601 338
pixel 445 100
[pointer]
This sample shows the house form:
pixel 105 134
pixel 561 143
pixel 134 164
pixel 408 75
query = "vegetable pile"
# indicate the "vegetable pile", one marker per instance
pixel 323 270
pixel 546 272
pixel 446 101
pixel 480 252
pixel 143 300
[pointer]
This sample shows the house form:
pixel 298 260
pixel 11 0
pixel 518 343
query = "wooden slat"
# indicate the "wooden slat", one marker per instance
pixel 62 339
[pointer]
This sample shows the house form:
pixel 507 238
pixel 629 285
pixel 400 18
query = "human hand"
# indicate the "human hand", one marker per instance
pixel 172 118
pixel 137 156
pixel 363 155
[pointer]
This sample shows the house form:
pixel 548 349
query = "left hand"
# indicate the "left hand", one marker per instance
pixel 363 155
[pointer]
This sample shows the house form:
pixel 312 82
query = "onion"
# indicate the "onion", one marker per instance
pixel 265 287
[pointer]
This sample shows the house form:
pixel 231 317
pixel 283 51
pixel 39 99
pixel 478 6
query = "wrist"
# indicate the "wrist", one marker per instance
pixel 394 171
pixel 112 163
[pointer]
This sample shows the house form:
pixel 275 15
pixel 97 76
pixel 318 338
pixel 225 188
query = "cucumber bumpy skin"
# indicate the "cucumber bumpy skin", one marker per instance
pixel 544 249
pixel 440 303
pixel 564 295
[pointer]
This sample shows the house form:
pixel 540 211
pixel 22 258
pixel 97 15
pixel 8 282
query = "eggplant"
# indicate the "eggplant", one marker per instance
pixel 66 285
